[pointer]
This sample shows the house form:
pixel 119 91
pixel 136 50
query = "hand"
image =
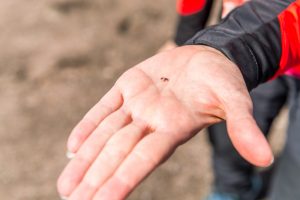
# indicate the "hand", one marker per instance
pixel 152 109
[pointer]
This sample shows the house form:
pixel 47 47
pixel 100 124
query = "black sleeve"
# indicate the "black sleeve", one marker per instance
pixel 189 25
pixel 250 37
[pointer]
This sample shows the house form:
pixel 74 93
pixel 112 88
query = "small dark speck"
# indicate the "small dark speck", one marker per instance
pixel 164 79
pixel 124 26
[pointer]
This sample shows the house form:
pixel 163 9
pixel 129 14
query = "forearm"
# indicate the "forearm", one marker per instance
pixel 251 36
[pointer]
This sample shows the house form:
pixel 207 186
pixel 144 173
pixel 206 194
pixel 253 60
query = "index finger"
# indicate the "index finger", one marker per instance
pixel 109 103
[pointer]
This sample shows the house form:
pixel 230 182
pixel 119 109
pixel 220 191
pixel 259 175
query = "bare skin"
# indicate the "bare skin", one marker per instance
pixel 152 109
pixel 169 45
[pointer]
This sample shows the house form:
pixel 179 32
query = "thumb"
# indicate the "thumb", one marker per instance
pixel 247 138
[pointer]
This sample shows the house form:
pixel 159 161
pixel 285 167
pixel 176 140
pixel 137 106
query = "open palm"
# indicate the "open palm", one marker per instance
pixel 152 109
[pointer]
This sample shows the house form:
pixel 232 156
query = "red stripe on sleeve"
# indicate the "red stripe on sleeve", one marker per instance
pixel 289 21
pixel 189 7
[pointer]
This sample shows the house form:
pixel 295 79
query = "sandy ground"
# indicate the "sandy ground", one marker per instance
pixel 57 58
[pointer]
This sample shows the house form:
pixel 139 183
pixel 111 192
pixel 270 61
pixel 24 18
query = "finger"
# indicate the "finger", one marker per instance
pixel 75 170
pixel 113 154
pixel 107 105
pixel 246 136
pixel 144 158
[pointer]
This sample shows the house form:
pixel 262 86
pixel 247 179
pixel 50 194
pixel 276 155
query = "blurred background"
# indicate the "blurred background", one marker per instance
pixel 57 58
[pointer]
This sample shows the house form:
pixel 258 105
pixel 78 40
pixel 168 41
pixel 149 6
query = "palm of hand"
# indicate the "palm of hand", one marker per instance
pixel 153 108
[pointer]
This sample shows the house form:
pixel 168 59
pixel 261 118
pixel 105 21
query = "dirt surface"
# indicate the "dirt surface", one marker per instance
pixel 57 58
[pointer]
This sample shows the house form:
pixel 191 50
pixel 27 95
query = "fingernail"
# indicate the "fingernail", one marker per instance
pixel 272 161
pixel 70 155
pixel 63 198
